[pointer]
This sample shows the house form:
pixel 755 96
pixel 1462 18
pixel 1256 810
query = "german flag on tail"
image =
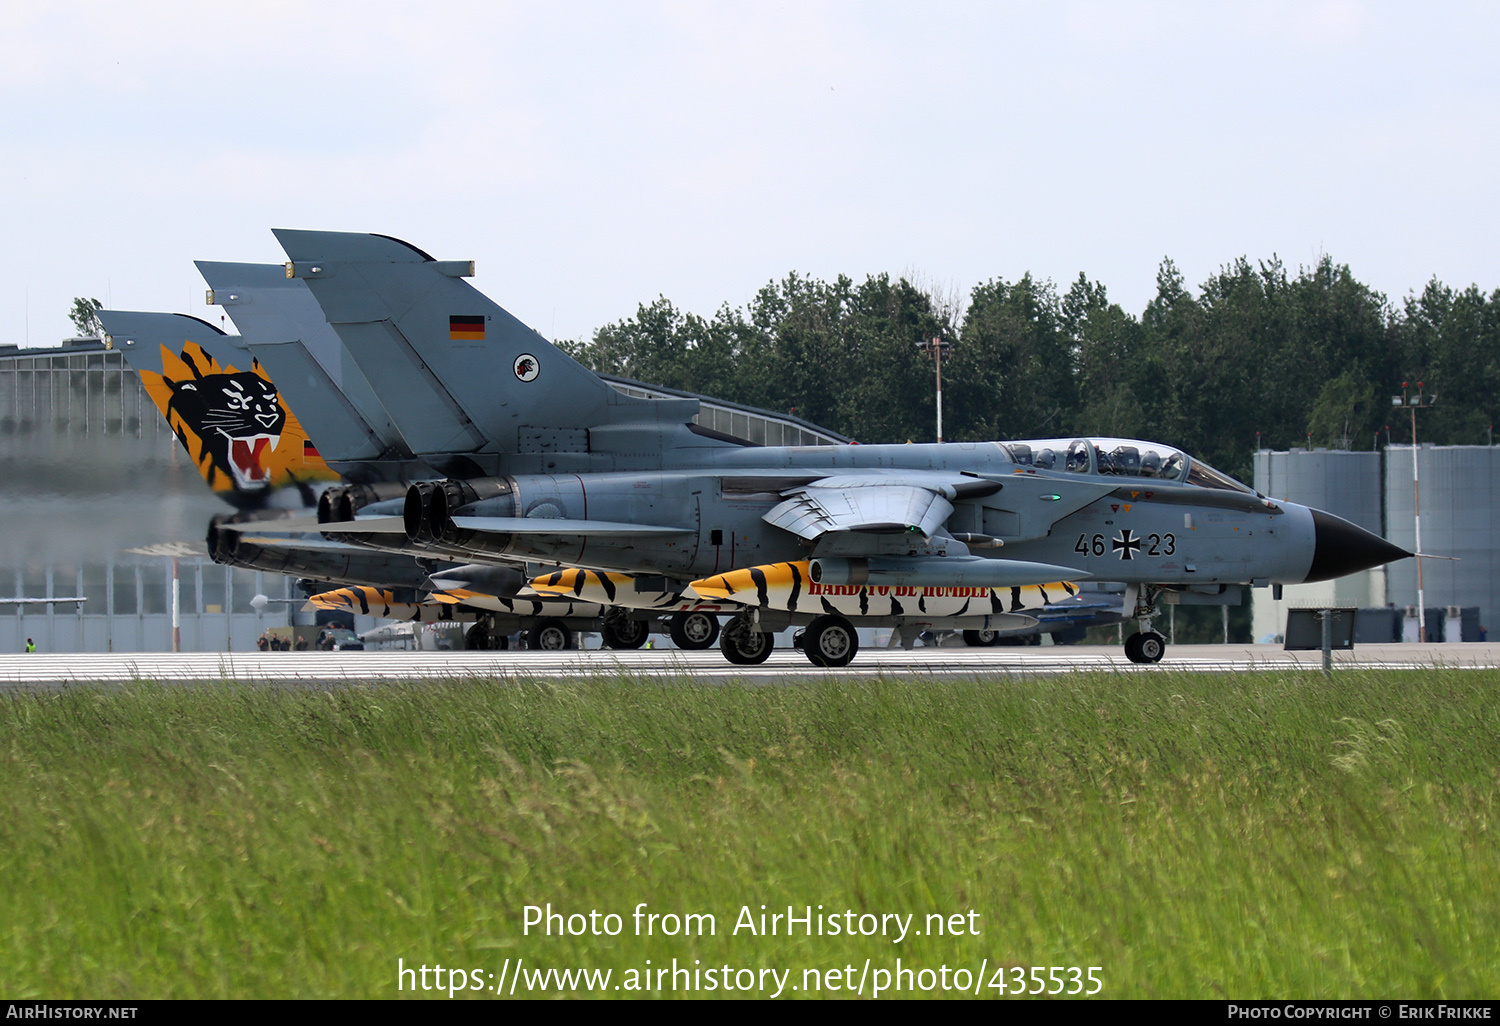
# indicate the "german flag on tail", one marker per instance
pixel 466 329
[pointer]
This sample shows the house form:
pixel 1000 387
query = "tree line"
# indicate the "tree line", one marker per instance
pixel 1256 355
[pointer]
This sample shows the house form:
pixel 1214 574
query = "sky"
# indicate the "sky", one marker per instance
pixel 592 156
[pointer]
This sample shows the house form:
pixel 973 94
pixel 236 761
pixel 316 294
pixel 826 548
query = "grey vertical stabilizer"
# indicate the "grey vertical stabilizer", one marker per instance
pixel 284 328
pixel 456 372
pixel 139 335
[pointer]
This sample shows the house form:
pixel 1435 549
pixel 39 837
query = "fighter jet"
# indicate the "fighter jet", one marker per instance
pixel 285 331
pixel 287 341
pixel 253 451
pixel 547 464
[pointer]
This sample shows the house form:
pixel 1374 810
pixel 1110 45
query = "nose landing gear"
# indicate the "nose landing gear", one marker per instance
pixel 1146 645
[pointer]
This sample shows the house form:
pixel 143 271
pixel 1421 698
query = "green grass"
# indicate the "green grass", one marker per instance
pixel 1256 835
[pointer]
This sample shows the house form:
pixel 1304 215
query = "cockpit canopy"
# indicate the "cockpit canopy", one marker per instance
pixel 1120 457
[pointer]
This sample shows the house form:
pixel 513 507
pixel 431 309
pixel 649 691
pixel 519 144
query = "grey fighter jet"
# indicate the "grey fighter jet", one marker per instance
pixel 628 498
pixel 264 462
pixel 285 330
pixel 250 447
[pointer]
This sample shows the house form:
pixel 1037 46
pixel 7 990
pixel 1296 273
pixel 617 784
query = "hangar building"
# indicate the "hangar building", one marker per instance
pixel 1460 490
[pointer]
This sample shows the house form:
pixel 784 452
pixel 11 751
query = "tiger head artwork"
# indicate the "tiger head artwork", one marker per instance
pixel 233 424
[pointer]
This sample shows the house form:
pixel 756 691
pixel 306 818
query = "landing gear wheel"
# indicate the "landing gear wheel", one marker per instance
pixel 623 632
pixel 743 646
pixel 549 636
pixel 830 641
pixel 981 639
pixel 1145 647
pixel 1152 647
pixel 479 638
pixel 694 630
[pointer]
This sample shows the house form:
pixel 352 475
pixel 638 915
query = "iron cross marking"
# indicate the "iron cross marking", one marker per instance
pixel 1127 544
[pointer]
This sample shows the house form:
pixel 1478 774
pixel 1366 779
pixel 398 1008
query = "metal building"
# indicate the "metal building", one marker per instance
pixel 1460 487
pixel 1346 484
pixel 1460 491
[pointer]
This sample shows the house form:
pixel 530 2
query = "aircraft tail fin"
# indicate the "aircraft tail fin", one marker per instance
pixel 283 327
pixel 231 421
pixel 456 371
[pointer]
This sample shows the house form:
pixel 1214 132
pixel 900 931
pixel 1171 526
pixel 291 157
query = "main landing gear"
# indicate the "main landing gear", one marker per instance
pixel 988 639
pixel 621 632
pixel 693 630
pixel 742 644
pixel 549 636
pixel 830 641
pixel 481 637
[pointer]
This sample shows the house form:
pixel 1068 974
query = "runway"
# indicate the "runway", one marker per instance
pixel 785 665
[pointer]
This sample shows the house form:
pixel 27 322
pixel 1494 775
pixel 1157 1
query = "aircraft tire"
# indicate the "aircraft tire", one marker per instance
pixel 981 639
pixel 745 647
pixel 694 630
pixel 624 633
pixel 549 636
pixel 1145 647
pixel 830 641
pixel 479 638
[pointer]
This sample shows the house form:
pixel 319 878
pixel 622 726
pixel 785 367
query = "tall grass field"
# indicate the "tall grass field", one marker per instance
pixel 1262 835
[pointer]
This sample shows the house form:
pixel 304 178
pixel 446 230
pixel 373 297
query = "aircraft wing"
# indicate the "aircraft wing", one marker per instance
pixel 875 503
pixel 301 543
pixel 496 525
pixel 815 510
pixel 41 601
pixel 551 525
pixel 311 525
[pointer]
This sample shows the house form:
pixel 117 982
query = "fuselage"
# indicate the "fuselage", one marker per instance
pixel 1112 509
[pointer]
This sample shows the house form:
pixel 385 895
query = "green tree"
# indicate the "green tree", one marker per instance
pixel 1337 330
pixel 1258 353
pixel 1111 369
pixel 1450 341
pixel 1012 372
pixel 1344 405
pixel 85 317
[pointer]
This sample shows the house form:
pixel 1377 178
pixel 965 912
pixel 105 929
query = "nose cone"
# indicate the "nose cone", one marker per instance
pixel 1343 548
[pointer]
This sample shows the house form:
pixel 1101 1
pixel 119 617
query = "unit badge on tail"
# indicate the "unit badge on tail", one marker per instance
pixel 232 423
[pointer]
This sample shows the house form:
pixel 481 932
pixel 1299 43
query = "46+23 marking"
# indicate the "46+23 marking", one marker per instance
pixel 1125 545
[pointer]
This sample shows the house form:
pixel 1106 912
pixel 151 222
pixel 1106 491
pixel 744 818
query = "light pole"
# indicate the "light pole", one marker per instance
pixel 938 347
pixel 1414 403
